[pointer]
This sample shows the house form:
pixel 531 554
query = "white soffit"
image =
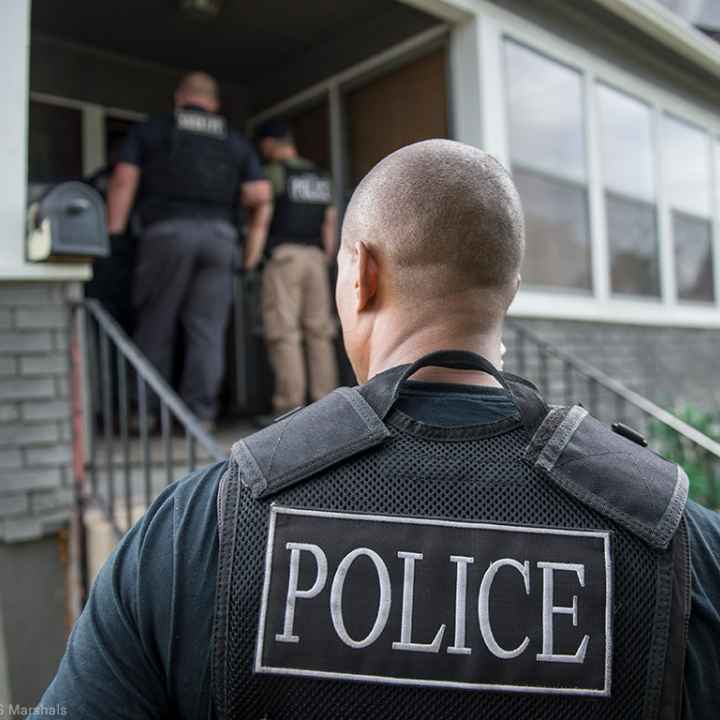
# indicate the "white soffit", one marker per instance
pixel 676 34
pixel 648 16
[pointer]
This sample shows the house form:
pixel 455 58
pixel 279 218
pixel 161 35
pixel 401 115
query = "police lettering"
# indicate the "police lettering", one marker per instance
pixel 309 188
pixel 407 642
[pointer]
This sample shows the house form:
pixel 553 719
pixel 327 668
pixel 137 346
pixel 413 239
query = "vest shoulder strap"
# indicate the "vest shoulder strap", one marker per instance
pixel 632 485
pixel 307 441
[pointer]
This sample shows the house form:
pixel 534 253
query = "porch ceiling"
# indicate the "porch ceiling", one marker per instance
pixel 246 39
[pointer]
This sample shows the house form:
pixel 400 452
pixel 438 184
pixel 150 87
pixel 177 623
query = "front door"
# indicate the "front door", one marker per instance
pixel 400 107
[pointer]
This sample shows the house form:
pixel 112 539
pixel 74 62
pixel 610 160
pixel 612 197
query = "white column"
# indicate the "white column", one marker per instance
pixel 465 83
pixel 495 139
pixel 14 79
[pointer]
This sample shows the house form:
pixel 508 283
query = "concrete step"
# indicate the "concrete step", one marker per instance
pixel 129 480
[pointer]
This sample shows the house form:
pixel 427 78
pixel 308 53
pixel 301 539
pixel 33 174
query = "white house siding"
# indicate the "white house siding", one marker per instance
pixel 665 348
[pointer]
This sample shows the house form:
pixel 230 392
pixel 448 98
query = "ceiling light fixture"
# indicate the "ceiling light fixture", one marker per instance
pixel 201 8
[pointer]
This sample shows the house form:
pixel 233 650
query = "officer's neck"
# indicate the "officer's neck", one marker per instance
pixel 403 345
pixel 197 104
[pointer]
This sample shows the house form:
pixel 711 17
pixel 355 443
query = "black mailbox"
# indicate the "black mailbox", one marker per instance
pixel 67 224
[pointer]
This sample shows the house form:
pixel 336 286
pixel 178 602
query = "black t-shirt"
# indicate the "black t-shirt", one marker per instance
pixel 141 647
pixel 146 138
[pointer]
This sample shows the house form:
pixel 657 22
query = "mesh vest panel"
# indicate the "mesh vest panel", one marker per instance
pixel 418 472
pixel 193 167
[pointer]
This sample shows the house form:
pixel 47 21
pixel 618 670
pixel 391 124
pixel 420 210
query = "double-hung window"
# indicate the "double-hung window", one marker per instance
pixel 628 171
pixel 545 110
pixel 687 173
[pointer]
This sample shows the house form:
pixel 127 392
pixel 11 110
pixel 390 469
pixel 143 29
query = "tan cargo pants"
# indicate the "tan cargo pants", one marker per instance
pixel 296 308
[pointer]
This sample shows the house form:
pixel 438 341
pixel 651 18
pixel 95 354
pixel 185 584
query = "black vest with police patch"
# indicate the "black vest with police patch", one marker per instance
pixel 194 168
pixel 374 566
pixel 299 211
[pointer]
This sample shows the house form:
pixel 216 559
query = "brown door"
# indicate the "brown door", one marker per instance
pixel 402 107
pixel 311 129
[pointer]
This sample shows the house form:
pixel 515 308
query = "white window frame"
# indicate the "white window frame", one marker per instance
pixel 93 125
pixel 498 24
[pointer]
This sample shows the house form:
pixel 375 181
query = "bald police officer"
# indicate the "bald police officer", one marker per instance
pixel 436 542
pixel 192 173
pixel 296 306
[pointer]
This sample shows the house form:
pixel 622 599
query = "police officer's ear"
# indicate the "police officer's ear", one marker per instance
pixel 366 277
pixel 511 291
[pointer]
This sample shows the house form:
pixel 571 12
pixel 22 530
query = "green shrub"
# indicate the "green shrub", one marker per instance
pixel 702 470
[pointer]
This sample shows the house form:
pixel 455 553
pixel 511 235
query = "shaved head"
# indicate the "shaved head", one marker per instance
pixel 445 217
pixel 430 256
pixel 198 88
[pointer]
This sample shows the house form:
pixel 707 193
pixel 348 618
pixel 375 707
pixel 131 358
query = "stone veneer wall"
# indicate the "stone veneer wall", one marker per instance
pixel 673 367
pixel 36 496
pixel 35 427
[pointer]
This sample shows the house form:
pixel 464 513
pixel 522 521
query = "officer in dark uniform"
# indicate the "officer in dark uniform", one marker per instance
pixel 297 319
pixel 192 173
pixel 436 542
pixel 112 277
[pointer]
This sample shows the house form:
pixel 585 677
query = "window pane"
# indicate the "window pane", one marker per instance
pixel 632 239
pixel 717 176
pixel 557 252
pixel 686 168
pixel 545 114
pixel 55 143
pixel 627 155
pixel 693 258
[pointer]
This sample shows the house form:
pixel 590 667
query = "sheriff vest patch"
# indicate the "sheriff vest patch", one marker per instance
pixel 419 601
pixel 203 123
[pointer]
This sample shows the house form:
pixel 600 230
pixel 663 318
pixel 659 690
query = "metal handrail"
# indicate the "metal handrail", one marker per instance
pixel 630 396
pixel 119 396
pixel 153 378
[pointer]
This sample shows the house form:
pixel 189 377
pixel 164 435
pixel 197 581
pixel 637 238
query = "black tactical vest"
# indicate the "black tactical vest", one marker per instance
pixel 374 566
pixel 194 166
pixel 299 211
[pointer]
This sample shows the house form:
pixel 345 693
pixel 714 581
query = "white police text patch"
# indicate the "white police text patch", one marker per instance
pixel 420 601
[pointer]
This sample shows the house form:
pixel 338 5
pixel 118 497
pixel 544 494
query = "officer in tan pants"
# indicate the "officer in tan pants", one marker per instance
pixel 296 304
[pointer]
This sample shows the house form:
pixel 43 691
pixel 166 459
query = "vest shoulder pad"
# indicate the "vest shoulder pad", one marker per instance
pixel 632 485
pixel 305 442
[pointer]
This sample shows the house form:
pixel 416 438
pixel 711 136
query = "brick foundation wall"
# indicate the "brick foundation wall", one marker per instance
pixel 673 367
pixel 35 430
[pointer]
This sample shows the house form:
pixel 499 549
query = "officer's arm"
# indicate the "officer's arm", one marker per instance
pixel 112 666
pixel 121 193
pixel 329 231
pixel 255 193
pixel 256 196
pixel 702 666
